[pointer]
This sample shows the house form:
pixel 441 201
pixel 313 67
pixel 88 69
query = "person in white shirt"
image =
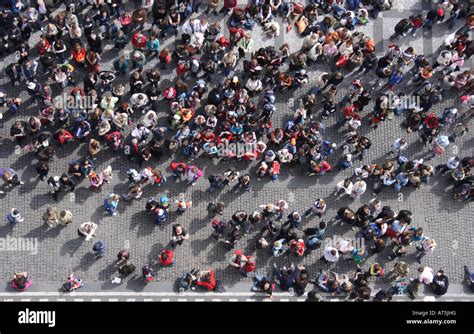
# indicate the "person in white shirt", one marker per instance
pixel 451 165
pixel 425 275
pixel 343 188
pixel 140 133
pixel 139 101
pixel 331 254
pixel 150 119
pixel 358 189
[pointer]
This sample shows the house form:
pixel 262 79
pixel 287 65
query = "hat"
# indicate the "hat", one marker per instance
pixel 235 79
pixel 31 85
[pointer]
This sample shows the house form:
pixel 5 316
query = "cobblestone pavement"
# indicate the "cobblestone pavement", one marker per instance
pixel 61 250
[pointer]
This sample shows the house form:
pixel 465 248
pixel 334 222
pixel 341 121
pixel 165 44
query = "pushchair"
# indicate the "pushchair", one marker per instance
pixel 187 281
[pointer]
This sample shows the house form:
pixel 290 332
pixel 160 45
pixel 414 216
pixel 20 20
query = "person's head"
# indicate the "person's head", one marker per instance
pixel 333 252
pixel 165 256
pixel 421 269
pixel 314 296
pixel 266 286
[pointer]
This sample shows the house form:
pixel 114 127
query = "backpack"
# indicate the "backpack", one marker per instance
pixel 313 243
pixel 402 25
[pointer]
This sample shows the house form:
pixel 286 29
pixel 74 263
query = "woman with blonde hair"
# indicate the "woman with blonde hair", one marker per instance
pixel 94 147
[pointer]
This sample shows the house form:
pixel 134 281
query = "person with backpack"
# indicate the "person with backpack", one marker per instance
pixel 14 216
pixel 99 248
pixel 148 274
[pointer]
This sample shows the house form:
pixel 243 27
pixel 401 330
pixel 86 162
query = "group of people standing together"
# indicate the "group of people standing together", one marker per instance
pixel 213 120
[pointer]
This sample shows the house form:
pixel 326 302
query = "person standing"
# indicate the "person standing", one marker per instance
pixel 245 45
pixel 319 207
pixel 55 186
pixel 15 216
pixel 179 235
pixel 427 247
pixel 425 275
pixel 65 217
pixel 42 169
pixel 330 255
pixel 10 177
pixel 88 230
pixel 111 204
pixel 50 217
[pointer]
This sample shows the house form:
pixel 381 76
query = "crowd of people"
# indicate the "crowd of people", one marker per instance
pixel 217 111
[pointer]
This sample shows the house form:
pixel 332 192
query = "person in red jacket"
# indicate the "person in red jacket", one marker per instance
pixel 228 6
pixel 297 247
pixel 206 279
pixel 64 136
pixel 166 257
pixel 43 46
pixel 139 41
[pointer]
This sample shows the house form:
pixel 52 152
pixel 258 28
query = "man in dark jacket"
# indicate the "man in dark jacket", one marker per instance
pixel 440 283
